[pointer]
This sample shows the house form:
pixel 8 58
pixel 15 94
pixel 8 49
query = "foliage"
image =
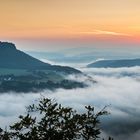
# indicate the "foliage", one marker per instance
pixel 48 120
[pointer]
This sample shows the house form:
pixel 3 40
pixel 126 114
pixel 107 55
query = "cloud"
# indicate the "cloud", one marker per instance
pixel 75 65
pixel 103 32
pixel 117 72
pixel 114 88
pixel 48 61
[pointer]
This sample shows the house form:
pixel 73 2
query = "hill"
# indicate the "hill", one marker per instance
pixel 12 58
pixel 20 72
pixel 115 63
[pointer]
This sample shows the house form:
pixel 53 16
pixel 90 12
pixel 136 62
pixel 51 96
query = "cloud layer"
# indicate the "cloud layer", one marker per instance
pixel 118 88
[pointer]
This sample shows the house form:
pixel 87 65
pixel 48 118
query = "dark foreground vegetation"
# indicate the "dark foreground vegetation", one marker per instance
pixel 49 120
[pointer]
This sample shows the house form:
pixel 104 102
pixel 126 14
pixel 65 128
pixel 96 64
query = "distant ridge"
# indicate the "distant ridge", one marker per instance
pixel 12 58
pixel 115 63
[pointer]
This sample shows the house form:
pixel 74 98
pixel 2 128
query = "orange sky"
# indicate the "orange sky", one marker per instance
pixel 70 19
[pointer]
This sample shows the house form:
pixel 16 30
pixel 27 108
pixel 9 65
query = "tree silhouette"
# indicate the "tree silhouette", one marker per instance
pixel 49 120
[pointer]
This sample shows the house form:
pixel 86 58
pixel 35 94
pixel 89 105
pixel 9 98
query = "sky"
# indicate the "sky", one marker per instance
pixel 82 20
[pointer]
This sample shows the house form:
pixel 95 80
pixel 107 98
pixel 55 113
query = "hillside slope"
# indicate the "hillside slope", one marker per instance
pixel 115 63
pixel 12 58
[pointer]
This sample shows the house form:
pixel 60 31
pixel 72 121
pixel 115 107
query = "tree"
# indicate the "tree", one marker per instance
pixel 48 120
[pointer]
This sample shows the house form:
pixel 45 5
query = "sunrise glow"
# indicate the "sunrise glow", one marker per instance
pixel 70 19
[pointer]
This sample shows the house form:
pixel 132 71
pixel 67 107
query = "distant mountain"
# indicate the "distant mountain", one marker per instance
pixel 115 63
pixel 12 58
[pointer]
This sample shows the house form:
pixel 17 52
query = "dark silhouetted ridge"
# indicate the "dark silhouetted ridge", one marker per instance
pixel 7 46
pixel 12 58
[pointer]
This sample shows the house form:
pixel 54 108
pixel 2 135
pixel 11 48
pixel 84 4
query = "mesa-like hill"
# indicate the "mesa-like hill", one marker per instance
pixel 20 72
pixel 12 58
pixel 115 63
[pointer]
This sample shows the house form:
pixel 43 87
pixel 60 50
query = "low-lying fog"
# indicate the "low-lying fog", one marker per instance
pixel 119 88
